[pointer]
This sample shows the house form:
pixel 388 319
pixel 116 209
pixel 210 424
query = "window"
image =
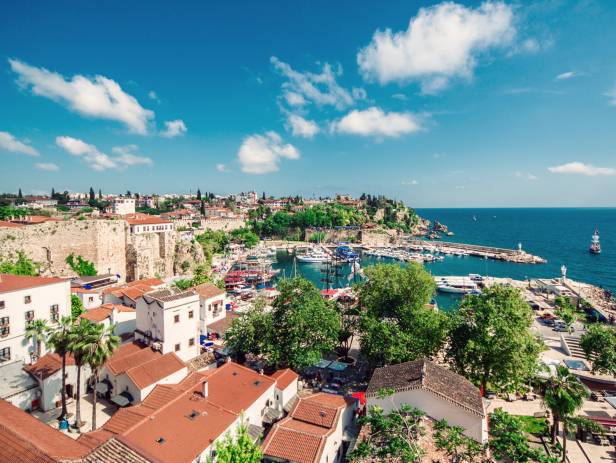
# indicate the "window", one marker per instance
pixel 2 305
pixel 5 328
pixel 27 299
pixel 54 312
pixel 177 347
pixel 5 354
pixel 176 319
pixel 29 315
pixel 90 299
pixel 190 314
pixel 191 342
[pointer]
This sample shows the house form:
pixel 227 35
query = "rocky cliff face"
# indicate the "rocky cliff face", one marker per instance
pixel 188 255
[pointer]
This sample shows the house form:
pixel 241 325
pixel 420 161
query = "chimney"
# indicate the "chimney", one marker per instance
pixel 114 315
pixel 204 389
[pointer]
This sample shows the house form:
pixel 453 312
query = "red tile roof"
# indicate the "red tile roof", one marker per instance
pixel 208 290
pixel 10 283
pixel 144 219
pixel 35 219
pixel 284 378
pixel 47 365
pixel 146 282
pixel 98 314
pixel 129 356
pixel 155 370
pixel 24 439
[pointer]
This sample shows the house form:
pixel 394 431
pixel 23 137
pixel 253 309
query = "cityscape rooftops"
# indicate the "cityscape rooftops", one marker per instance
pixel 208 290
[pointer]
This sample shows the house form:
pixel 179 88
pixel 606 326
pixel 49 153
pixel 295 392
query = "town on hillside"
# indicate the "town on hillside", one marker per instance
pixel 196 327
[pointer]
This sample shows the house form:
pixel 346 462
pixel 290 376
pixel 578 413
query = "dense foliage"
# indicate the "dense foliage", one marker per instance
pixel 6 212
pixel 490 341
pixel 20 266
pixel 76 307
pixel 300 328
pixel 599 346
pixel 80 266
pixel 397 324
pixel 238 449
pixel 459 447
pixel 245 236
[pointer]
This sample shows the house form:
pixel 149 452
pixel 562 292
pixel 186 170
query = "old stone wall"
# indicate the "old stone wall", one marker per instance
pixel 150 255
pixel 222 223
pixel 335 235
pixel 102 242
pixel 378 237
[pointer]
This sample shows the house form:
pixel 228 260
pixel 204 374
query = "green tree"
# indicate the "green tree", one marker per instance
pixel 37 330
pixel 80 266
pixel 238 449
pixel 490 340
pixel 452 440
pixel 246 335
pixel 397 325
pixel 78 333
pixel 564 395
pixel 599 346
pixel 76 307
pixel 22 266
pixel 98 347
pixel 91 195
pixel 59 341
pixel 565 310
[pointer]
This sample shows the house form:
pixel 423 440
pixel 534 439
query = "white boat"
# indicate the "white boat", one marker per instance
pixel 314 256
pixel 457 288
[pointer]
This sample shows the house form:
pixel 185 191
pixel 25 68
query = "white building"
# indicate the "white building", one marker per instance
pixel 315 431
pixel 23 299
pixel 122 206
pixel 287 386
pixel 438 391
pixel 124 318
pixel 212 302
pixel 170 318
pixel 140 224
pixel 90 298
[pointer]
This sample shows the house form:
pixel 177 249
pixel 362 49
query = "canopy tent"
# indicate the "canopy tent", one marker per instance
pixel 123 399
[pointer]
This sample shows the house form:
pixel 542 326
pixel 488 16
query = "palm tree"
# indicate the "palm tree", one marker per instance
pixel 77 335
pixel 98 347
pixel 59 340
pixel 564 395
pixel 37 331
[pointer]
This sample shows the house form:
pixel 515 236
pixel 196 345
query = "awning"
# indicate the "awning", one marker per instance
pixel 323 363
pixel 337 366
pixel 102 387
pixel 123 399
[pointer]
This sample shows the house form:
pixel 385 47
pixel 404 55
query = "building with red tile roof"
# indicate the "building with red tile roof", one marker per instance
pixel 122 317
pixel 314 431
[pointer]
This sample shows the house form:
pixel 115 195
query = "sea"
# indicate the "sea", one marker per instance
pixel 560 235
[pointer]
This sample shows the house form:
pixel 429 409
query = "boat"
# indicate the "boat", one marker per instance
pixel 345 253
pixel 458 288
pixel 474 218
pixel 595 245
pixel 314 255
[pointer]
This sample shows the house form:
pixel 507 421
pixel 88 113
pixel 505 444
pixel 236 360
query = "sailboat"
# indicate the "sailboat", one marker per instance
pixel 474 218
pixel 595 245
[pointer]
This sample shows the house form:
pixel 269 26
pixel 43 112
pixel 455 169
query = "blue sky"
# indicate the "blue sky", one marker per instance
pixel 437 104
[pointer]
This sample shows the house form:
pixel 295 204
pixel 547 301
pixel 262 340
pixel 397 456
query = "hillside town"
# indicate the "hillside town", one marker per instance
pixel 156 329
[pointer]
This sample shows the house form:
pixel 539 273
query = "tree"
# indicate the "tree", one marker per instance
pixel 100 195
pixel 490 340
pixel 53 192
pixel 397 325
pixel 303 326
pixel 453 441
pixel 98 347
pixel 22 266
pixel 565 310
pixel 391 437
pixel 202 208
pixel 240 449
pixel 564 395
pixel 59 340
pixel 80 266
pixel 198 194
pixel 19 195
pixel 78 333
pixel 37 331
pixel 599 346
pixel 246 333
pixel 76 307
pixel 91 195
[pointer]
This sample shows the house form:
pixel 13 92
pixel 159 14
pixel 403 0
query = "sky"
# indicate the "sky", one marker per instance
pixel 438 104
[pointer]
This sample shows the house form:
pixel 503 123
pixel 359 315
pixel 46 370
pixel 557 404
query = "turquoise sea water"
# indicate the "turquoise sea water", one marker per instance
pixel 560 235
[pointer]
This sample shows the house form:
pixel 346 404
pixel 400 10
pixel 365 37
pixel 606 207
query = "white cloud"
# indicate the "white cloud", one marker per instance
pixel 581 169
pixel 220 167
pixel 525 175
pixel 321 89
pixel 174 128
pixel 48 166
pixel 9 143
pixel 399 96
pixel 98 97
pixel 260 154
pixel 441 42
pixel 412 182
pixel 566 75
pixel 99 161
pixel 152 95
pixel 301 127
pixel 375 122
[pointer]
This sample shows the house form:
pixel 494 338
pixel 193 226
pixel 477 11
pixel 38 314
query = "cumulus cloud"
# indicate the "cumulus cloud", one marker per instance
pixel 99 161
pixel 301 127
pixel 566 75
pixel 48 166
pixel 375 122
pixel 9 143
pixel 320 88
pixel 525 175
pixel 98 97
pixel 174 128
pixel 220 167
pixel 580 168
pixel 441 42
pixel 260 154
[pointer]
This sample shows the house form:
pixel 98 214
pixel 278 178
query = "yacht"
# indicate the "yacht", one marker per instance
pixel 595 245
pixel 314 255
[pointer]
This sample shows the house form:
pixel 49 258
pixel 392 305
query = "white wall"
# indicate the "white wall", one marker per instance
pixel 284 395
pixel 210 313
pixel 51 386
pixel 253 413
pixel 124 206
pixel 42 298
pixel 90 300
pixel 437 408
pixel 334 440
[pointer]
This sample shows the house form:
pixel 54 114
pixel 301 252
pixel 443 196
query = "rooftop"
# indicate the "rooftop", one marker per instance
pixel 208 290
pixel 9 283
pixel 425 374
pixel 284 378
pixel 170 294
pixel 155 370
pixel 47 365
pixel 129 356
pixel 98 314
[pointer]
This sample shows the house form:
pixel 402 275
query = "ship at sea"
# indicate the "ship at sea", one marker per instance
pixel 595 245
